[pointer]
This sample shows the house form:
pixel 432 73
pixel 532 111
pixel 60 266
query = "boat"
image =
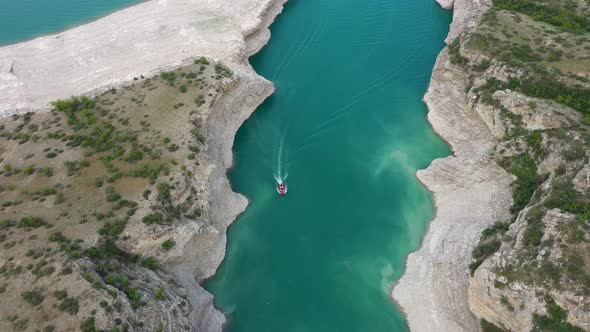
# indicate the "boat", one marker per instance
pixel 281 189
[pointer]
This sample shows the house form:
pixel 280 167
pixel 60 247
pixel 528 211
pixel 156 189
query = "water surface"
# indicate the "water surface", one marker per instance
pixel 350 128
pixel 348 119
pixel 25 19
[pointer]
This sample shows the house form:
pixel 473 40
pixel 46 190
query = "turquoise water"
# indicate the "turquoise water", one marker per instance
pixel 26 19
pixel 349 125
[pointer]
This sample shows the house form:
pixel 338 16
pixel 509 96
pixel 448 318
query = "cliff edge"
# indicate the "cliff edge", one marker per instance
pixel 507 249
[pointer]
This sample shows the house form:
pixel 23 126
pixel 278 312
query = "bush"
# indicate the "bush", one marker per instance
pixel 31 222
pixel 455 53
pixel 200 100
pixel 60 295
pixel 112 195
pixel 88 325
pixel 134 297
pixel 150 262
pixel 168 244
pixel 34 297
pixel 555 12
pixel 113 228
pixel 29 170
pixel 527 179
pixel 223 70
pixel 555 321
pixel 202 60
pixel 134 156
pixel 565 197
pixel 154 218
pixel 163 192
pixel 21 324
pixel 48 171
pixel 161 294
pixel 69 305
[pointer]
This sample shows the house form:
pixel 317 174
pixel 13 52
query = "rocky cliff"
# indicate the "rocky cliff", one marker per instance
pixel 489 98
pixel 135 259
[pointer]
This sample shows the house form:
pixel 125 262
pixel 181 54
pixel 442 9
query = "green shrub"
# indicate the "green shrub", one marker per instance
pixel 565 197
pixel 553 12
pixel 202 60
pixel 154 218
pixel 535 141
pixel 28 170
pixel 200 100
pixel 134 156
pixel 223 70
pixel 168 244
pixel 60 294
pixel 150 262
pixel 163 192
pixel 134 297
pixel 34 297
pixel 455 53
pixel 161 294
pixel 527 179
pixel 555 321
pixel 88 325
pixel 69 305
pixel 21 324
pixel 31 222
pixel 113 228
pixel 112 195
pixel 48 171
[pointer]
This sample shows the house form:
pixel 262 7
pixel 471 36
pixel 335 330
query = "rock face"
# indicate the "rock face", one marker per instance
pixel 144 40
pixel 465 14
pixel 205 250
pixel 509 243
pixel 470 191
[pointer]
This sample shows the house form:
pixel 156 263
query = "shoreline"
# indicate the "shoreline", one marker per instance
pixel 75 25
pixel 92 67
pixel 145 39
pixel 432 291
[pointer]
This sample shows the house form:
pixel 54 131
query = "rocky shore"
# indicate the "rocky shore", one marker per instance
pixel 488 260
pixel 470 194
pixel 141 42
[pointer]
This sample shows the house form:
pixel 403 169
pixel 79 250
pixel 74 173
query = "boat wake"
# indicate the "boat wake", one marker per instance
pixel 281 175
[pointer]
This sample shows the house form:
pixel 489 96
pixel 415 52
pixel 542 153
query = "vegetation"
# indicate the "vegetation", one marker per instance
pixel 33 297
pixel 553 12
pixel 455 53
pixel 555 321
pixel 83 169
pixel 527 179
pixel 489 243
pixel 168 244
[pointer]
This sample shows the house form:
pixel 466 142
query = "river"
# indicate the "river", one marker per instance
pixel 348 125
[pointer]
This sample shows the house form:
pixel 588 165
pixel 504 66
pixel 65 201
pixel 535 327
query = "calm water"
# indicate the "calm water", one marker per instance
pixel 26 19
pixel 350 76
pixel 349 126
